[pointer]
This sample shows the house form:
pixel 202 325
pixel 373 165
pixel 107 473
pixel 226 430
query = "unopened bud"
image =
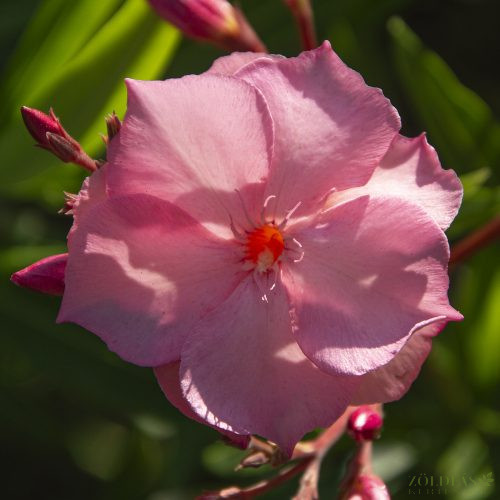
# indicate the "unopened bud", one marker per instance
pixel 39 124
pixel 113 125
pixel 50 135
pixel 364 424
pixel 367 487
pixel 46 275
pixel 215 21
pixel 65 150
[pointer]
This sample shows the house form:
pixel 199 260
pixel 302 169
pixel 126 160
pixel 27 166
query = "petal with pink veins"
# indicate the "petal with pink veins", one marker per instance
pixel 242 370
pixel 411 170
pixel 168 378
pixel 391 381
pixel 193 141
pixel 46 275
pixel 374 270
pixel 141 273
pixel 331 129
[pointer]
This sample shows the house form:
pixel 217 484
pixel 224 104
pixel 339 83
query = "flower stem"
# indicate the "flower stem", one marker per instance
pixel 475 241
pixel 303 13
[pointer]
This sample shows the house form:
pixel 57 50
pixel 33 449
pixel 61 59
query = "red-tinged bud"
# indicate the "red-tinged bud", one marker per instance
pixel 215 21
pixel 46 275
pixel 69 151
pixel 50 135
pixel 367 487
pixel 39 124
pixel 63 148
pixel 113 125
pixel 364 424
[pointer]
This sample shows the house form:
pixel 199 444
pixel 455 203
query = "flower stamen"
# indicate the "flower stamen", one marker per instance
pixel 289 215
pixel 263 212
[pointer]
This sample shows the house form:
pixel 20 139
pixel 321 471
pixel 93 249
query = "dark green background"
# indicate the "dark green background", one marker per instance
pixel 76 422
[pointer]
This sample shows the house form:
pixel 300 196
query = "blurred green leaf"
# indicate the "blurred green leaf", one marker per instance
pixel 221 460
pixel 133 43
pixel 474 181
pixel 392 459
pixel 40 53
pixel 465 456
pixel 460 124
pixel 484 341
pixel 99 447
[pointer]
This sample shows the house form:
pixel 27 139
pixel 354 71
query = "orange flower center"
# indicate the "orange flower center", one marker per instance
pixel 264 246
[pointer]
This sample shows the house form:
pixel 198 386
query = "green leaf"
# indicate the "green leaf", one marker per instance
pixel 41 53
pixel 132 43
pixel 459 122
pixel 484 344
pixel 474 181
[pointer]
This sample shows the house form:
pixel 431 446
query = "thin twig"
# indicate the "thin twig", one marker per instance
pixel 475 241
pixel 303 13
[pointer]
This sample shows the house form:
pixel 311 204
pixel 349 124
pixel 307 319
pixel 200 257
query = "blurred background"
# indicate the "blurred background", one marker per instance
pixel 76 422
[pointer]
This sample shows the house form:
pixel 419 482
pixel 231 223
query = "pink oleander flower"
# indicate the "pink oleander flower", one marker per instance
pixel 215 21
pixel 266 240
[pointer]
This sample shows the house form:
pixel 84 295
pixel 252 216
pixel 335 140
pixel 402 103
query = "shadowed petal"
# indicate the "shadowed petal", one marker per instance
pixel 392 381
pixel 168 378
pixel 46 275
pixel 242 370
pixel 411 170
pixel 374 269
pixel 141 273
pixel 192 141
pixel 331 129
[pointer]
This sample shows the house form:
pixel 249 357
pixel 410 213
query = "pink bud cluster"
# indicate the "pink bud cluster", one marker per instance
pixel 364 425
pixel 50 135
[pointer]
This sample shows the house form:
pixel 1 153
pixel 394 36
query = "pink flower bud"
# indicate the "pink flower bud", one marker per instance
pixel 364 424
pixel 46 275
pixel 367 487
pixel 39 124
pixel 216 21
pixel 50 135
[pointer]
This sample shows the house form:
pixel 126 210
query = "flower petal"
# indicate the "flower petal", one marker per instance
pixel 141 273
pixel 46 275
pixel 331 129
pixel 391 381
pixel 168 378
pixel 193 141
pixel 243 371
pixel 92 192
pixel 411 170
pixel 228 65
pixel 374 270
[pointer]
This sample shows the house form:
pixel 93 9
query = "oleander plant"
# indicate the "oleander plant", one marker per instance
pixel 255 247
